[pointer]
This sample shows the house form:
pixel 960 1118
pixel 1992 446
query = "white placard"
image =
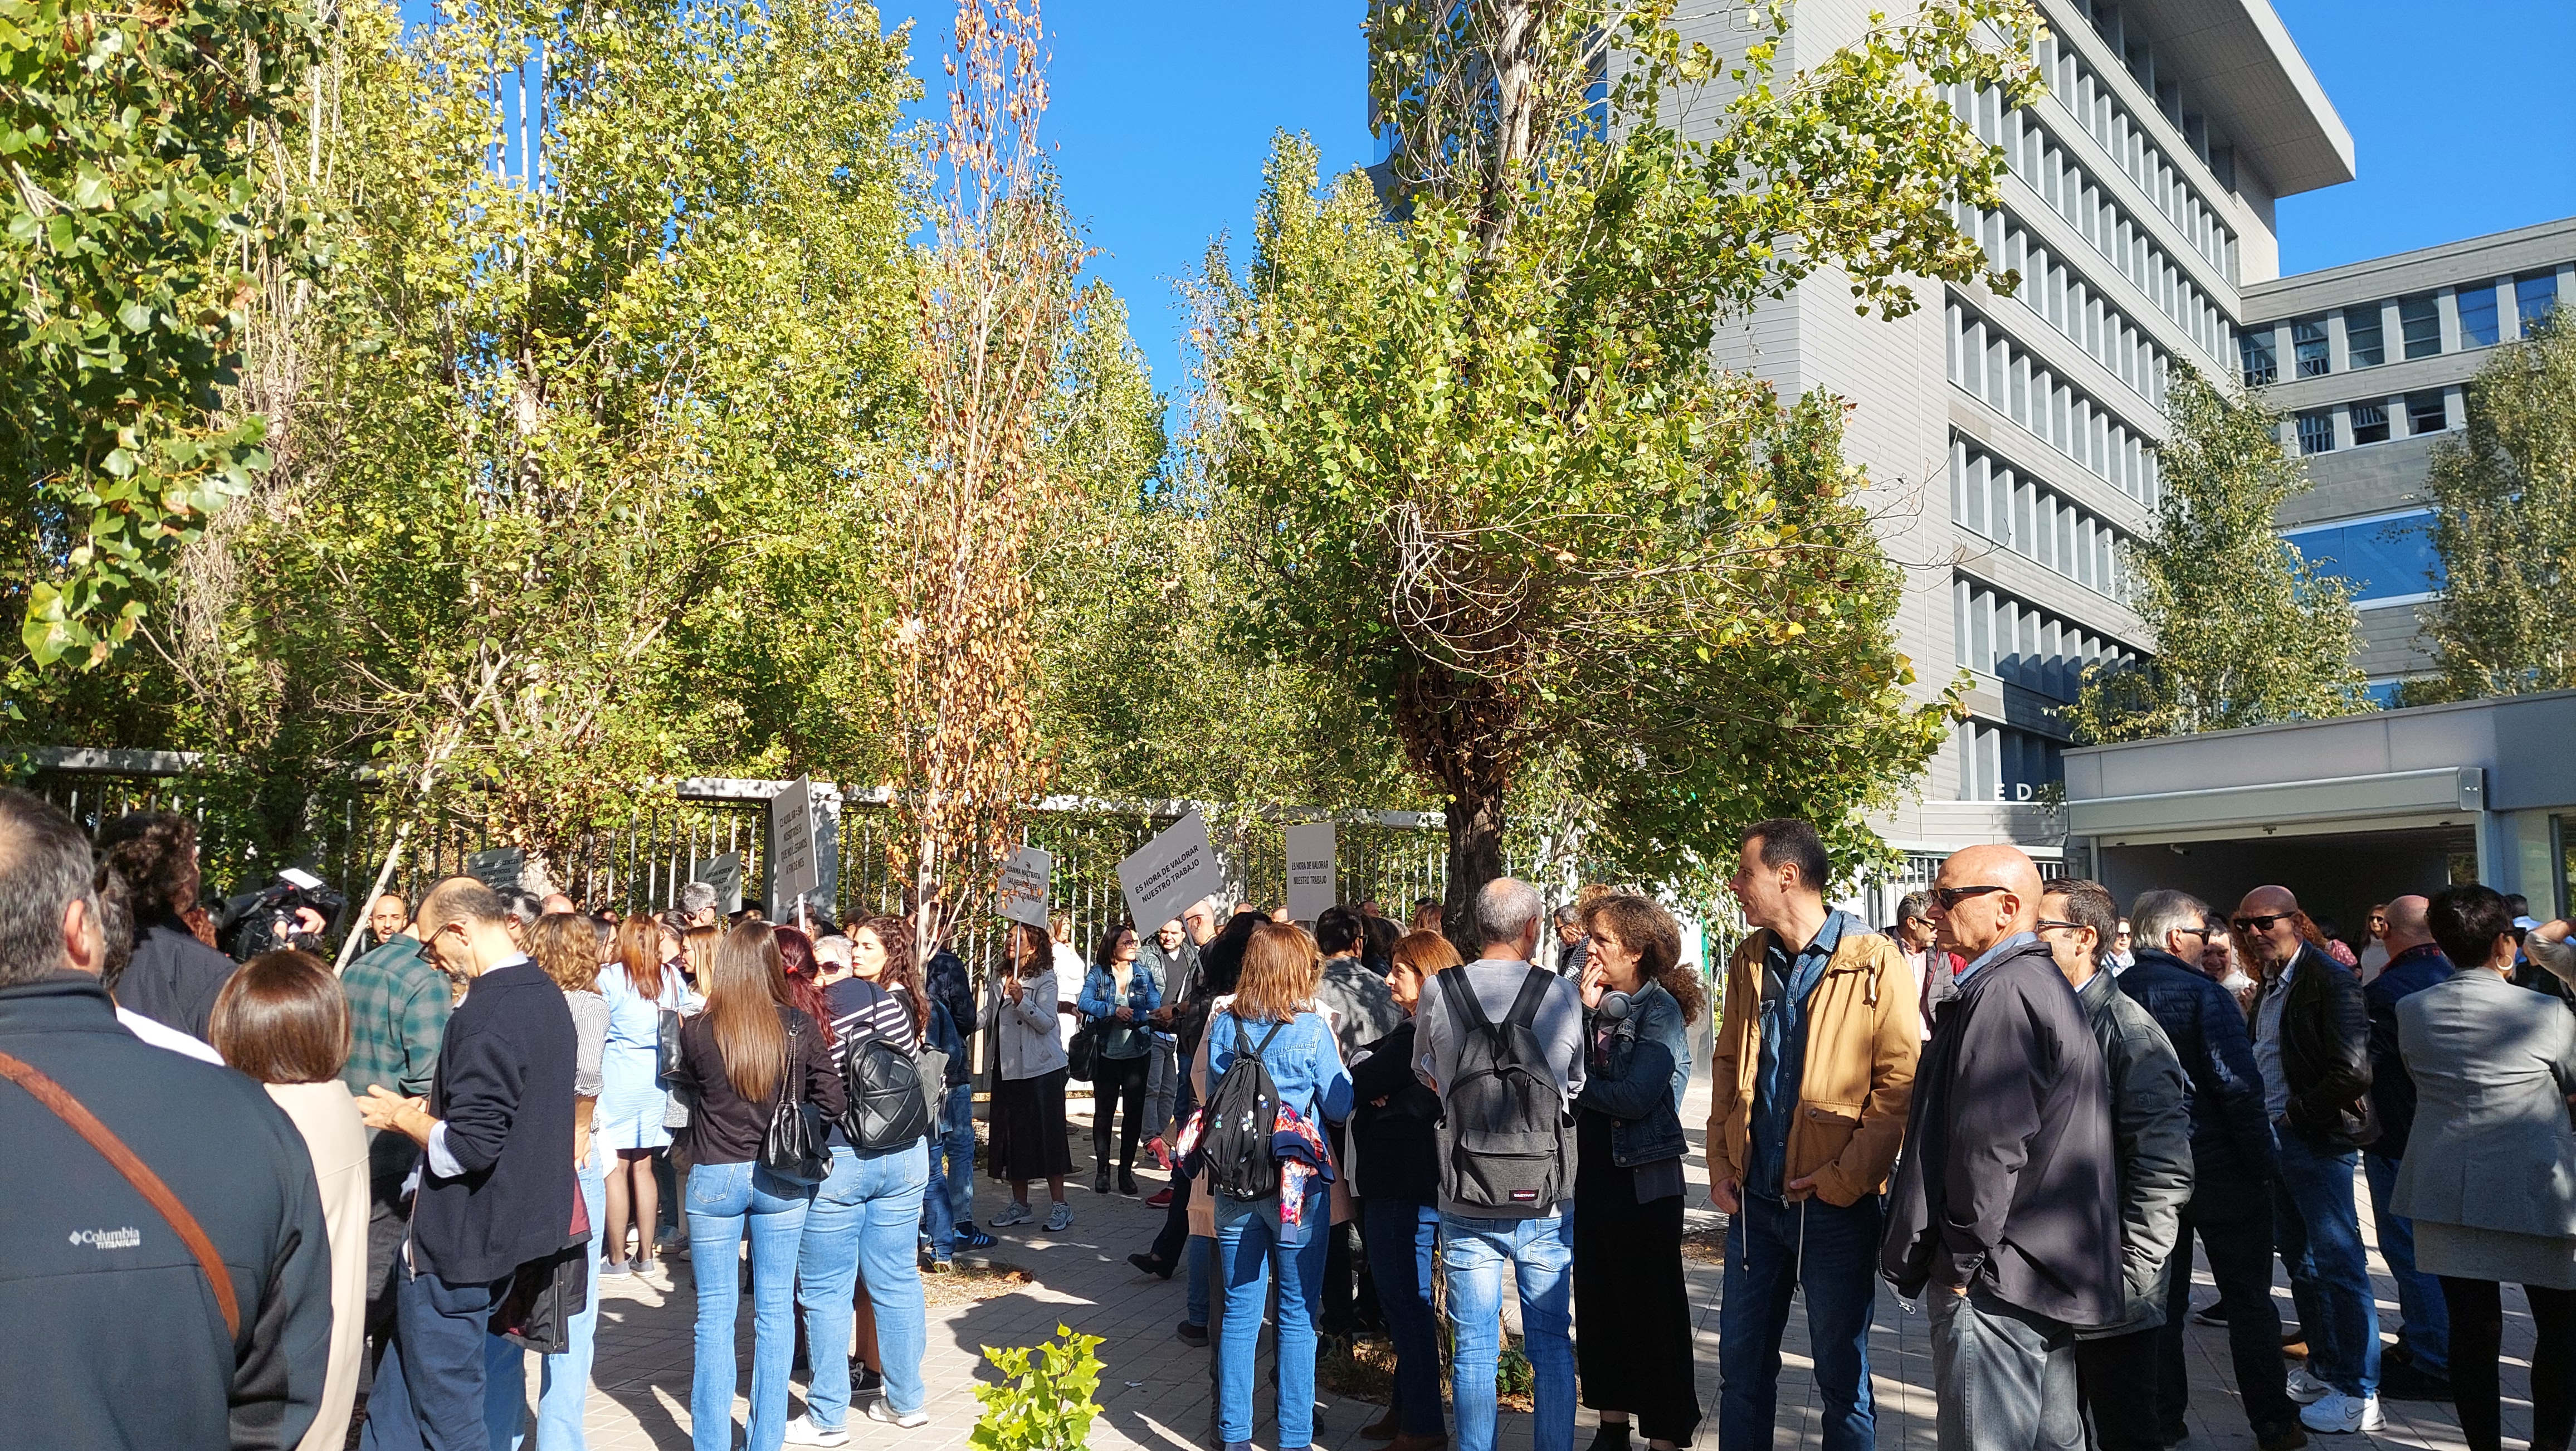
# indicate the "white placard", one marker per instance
pixel 1021 895
pixel 1310 871
pixel 791 845
pixel 1170 872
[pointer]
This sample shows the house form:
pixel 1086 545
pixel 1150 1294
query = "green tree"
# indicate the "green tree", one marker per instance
pixel 2247 632
pixel 2504 524
pixel 1478 466
pixel 127 142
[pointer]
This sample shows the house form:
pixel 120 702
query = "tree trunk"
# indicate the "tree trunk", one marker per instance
pixel 1475 858
pixel 1458 729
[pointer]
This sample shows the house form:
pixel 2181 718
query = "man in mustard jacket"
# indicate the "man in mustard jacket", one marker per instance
pixel 1811 1075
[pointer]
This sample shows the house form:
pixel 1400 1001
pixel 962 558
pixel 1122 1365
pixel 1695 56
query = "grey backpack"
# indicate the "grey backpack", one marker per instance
pixel 1504 1131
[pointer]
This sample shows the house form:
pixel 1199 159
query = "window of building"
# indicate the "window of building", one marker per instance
pixel 2370 422
pixel 2421 321
pixel 2535 296
pixel 1999 763
pixel 2254 351
pixel 2478 315
pixel 2426 413
pixel 2387 559
pixel 2308 339
pixel 2316 432
pixel 2361 345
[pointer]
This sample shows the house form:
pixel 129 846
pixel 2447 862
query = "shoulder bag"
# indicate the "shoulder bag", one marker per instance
pixel 793 1149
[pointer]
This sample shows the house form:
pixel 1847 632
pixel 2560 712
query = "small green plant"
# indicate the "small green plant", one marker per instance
pixel 1044 1402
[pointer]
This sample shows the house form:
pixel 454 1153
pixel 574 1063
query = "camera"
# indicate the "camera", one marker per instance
pixel 293 910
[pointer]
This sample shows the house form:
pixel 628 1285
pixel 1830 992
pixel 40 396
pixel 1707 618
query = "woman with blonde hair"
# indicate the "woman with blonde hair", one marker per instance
pixel 283 1020
pixel 1398 1152
pixel 639 987
pixel 748 1055
pixel 1271 1016
pixel 1028 1102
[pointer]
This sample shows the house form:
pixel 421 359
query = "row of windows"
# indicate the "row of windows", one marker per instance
pixel 2387 559
pixel 2418 324
pixel 2099 110
pixel 1999 763
pixel 2107 226
pixel 2039 651
pixel 2375 420
pixel 1984 361
pixel 2060 294
pixel 2033 520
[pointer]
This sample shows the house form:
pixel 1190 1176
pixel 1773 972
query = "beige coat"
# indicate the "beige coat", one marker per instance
pixel 1864 1032
pixel 327 1117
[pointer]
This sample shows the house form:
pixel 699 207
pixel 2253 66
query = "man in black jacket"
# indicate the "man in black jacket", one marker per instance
pixel 173 978
pixel 117 1337
pixel 2312 1041
pixel 2418 1367
pixel 2005 1209
pixel 496 1181
pixel 2233 1162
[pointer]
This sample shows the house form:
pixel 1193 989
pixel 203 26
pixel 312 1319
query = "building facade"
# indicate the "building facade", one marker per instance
pixel 2368 360
pixel 2011 436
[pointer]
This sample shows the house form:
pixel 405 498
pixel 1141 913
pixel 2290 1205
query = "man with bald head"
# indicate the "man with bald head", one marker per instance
pixel 2312 1043
pixel 2419 1367
pixel 2005 1210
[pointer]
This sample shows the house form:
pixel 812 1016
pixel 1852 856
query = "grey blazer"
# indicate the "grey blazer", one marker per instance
pixel 2492 1148
pixel 1029 1046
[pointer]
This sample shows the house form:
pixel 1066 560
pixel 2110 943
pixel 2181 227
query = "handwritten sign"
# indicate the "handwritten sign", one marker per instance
pixel 1171 871
pixel 791 847
pixel 1310 871
pixel 1021 895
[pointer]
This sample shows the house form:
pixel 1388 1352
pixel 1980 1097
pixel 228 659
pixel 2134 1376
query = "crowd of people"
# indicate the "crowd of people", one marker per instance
pixel 286 1196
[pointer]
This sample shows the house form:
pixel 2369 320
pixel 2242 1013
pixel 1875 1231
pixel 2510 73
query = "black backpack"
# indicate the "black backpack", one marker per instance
pixel 1503 1121
pixel 889 1105
pixel 1242 1114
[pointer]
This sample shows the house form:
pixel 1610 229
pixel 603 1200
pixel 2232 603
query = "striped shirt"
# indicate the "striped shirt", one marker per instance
pixel 861 1011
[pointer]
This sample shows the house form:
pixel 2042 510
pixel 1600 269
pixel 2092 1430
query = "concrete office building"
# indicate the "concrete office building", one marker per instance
pixel 2368 360
pixel 2012 437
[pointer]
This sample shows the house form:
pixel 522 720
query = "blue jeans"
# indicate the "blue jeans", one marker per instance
pixel 429 1391
pixel 1202 1252
pixel 1248 1251
pixel 2425 1318
pixel 949 1199
pixel 567 1376
pixel 1541 1253
pixel 865 1215
pixel 725 1201
pixel 1403 1240
pixel 2320 1238
pixel 1773 1249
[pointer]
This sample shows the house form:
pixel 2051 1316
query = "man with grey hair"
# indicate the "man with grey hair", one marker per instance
pixel 1489 1220
pixel 201 1255
pixel 2232 1166
pixel 698 902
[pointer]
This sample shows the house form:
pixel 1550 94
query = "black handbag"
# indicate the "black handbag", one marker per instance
pixel 666 1046
pixel 1078 1052
pixel 794 1149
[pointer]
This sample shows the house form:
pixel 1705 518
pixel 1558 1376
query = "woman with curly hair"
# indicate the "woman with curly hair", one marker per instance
pixel 171 978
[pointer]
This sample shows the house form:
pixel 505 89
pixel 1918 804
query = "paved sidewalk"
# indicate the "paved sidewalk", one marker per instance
pixel 1155 1392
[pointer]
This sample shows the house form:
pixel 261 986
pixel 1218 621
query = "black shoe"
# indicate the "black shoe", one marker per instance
pixel 865 1384
pixel 1100 1182
pixel 1126 1182
pixel 1150 1265
pixel 2288 1438
pixel 2213 1313
pixel 1611 1438
pixel 1191 1334
pixel 2404 1380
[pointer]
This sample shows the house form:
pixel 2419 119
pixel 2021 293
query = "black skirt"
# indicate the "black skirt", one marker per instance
pixel 1631 1300
pixel 1028 1129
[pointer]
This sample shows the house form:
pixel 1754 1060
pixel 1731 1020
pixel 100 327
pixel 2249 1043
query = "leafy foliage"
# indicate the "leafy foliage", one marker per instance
pixel 1478 467
pixel 127 144
pixel 2504 523
pixel 2247 632
pixel 1045 1400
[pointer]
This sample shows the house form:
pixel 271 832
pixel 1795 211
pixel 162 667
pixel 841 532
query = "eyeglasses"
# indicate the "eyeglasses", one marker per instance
pixel 2044 925
pixel 2261 924
pixel 1950 897
pixel 2203 933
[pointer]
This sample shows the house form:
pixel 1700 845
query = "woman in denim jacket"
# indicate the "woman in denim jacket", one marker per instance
pixel 1629 1294
pixel 1119 991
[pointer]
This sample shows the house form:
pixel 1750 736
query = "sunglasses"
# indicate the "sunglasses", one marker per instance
pixel 1950 897
pixel 2044 925
pixel 2203 933
pixel 2260 924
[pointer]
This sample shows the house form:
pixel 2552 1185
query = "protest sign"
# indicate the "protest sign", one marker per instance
pixel 498 868
pixel 791 848
pixel 1170 872
pixel 1022 893
pixel 1310 871
pixel 724 873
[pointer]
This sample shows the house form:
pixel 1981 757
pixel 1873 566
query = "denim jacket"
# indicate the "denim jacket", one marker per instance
pixel 1639 1079
pixel 1099 1002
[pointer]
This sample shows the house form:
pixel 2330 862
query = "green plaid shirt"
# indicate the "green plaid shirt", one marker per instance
pixel 398 1007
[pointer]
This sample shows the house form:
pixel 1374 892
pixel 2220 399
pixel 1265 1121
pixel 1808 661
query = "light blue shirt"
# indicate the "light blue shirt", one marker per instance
pixel 2267 1047
pixel 2018 939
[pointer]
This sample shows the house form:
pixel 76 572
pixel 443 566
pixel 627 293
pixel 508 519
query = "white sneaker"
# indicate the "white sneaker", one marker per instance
pixel 882 1409
pixel 1059 1217
pixel 1012 1213
pixel 2307 1389
pixel 2340 1414
pixel 803 1432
